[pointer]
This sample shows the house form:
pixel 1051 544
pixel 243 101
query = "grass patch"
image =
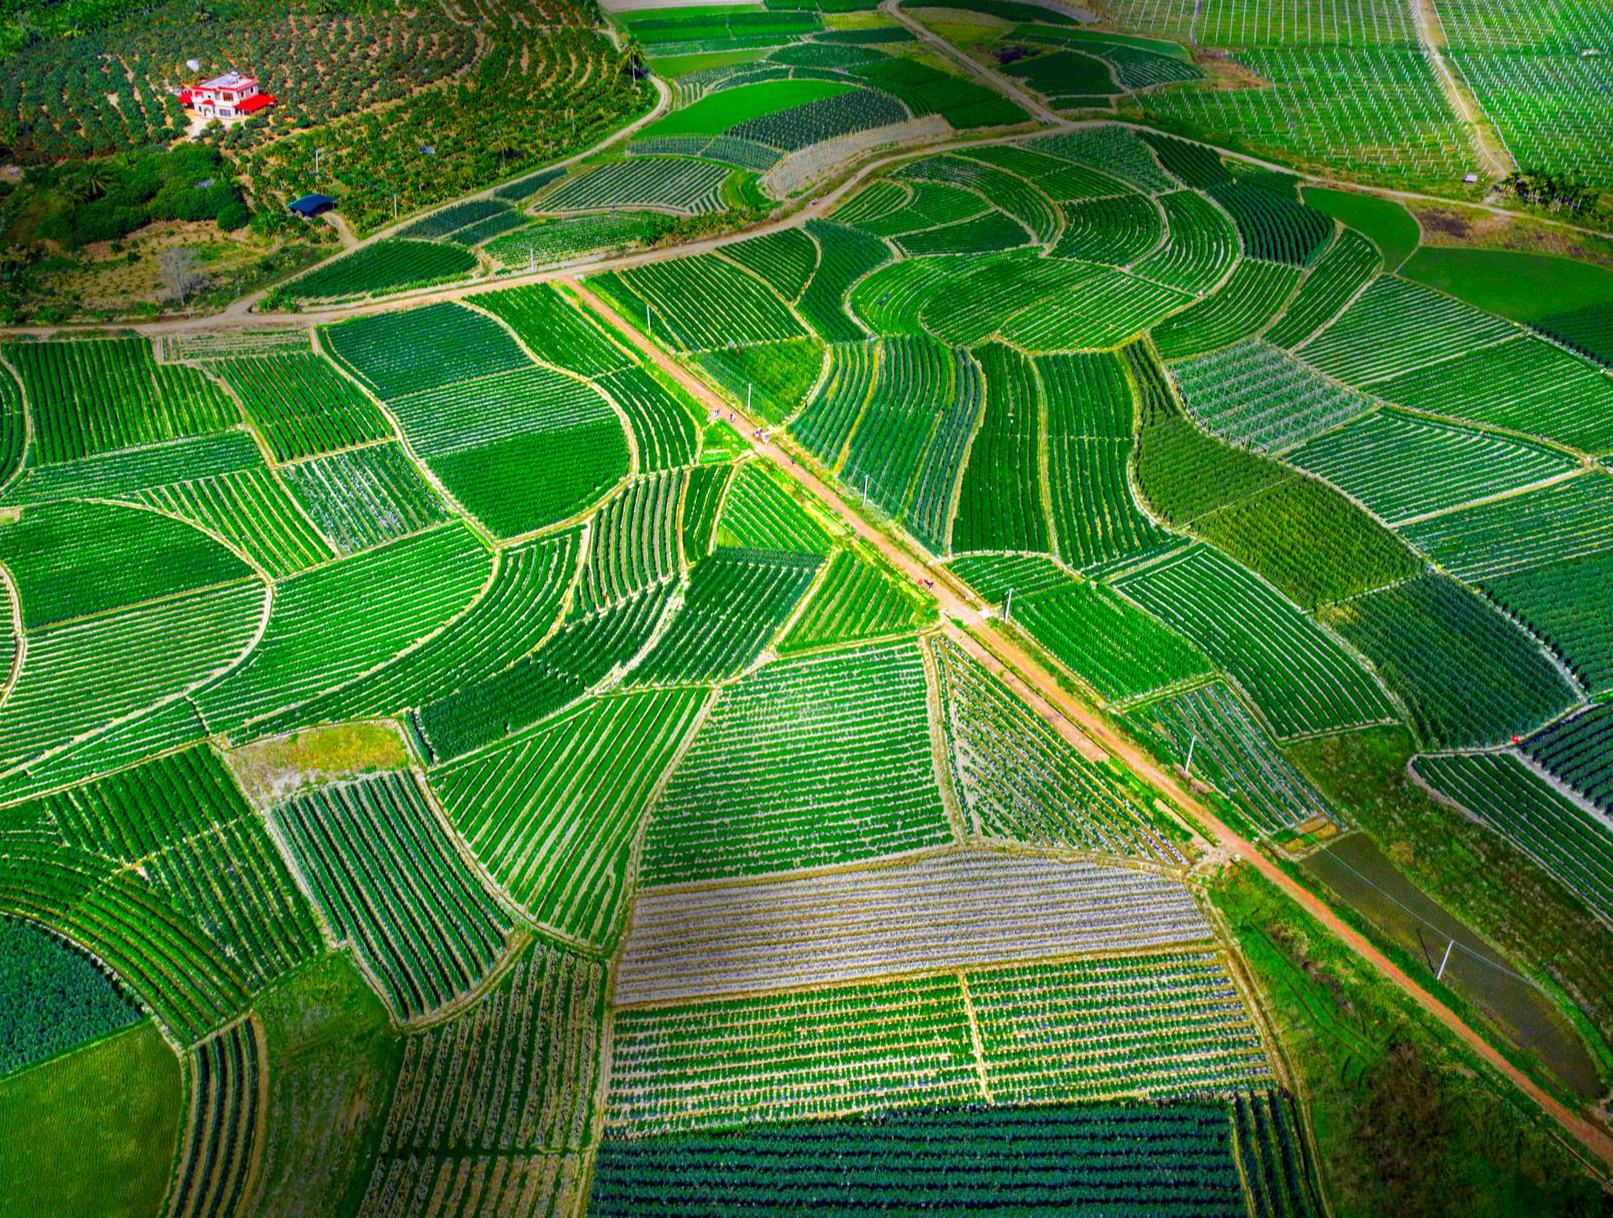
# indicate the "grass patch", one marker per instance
pixel 269 770
pixel 92 1133
pixel 333 1061
pixel 1392 228
pixel 1523 287
pixel 683 65
pixel 1403 1122
pixel 716 112
pixel 1469 870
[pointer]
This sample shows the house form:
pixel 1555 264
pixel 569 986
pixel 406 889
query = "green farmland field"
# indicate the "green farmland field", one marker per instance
pixel 715 657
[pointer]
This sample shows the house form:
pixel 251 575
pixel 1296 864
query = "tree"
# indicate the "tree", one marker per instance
pixel 181 272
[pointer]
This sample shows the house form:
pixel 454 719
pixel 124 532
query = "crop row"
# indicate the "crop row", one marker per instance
pixel 804 763
pixel 554 814
pixel 228 1076
pixel 390 885
pixel 1018 780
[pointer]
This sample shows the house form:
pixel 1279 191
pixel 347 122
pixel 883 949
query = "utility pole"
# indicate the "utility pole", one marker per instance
pixel 1443 960
pixel 394 205
pixel 1008 606
pixel 1188 768
pixel 319 154
pixel 648 325
pixel 747 396
pixel 531 258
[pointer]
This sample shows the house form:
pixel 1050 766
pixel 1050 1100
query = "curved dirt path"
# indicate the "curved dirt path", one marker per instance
pixel 1082 724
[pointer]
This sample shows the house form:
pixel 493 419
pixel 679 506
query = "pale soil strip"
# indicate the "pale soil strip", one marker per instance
pixel 974 1037
pixel 957 910
pixel 964 618
pixel 1431 33
pixel 992 80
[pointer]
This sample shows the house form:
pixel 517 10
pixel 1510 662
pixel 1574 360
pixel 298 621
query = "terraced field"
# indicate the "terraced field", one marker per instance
pixel 466 735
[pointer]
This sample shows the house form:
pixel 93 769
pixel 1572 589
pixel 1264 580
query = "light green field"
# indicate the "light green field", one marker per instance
pixel 92 1134
pixel 1524 287
pixel 716 112
pixel 1391 227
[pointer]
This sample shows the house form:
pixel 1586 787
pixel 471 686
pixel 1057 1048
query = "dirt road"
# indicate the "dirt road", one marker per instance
pixel 1086 727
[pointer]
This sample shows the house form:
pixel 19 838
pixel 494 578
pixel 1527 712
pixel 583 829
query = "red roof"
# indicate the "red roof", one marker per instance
pixel 250 105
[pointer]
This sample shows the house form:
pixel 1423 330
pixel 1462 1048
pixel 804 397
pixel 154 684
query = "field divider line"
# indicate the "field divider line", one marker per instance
pixel 1068 714
pixel 975 1041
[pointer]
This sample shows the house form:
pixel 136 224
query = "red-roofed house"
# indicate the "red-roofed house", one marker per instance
pixel 228 96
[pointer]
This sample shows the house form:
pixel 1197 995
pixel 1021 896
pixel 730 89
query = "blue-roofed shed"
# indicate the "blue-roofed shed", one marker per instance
pixel 311 205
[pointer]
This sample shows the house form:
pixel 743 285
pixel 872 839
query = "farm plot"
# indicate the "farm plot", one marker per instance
pixel 1396 326
pixel 363 497
pixel 771 378
pixel 1147 1026
pixel 1299 677
pixel 1466 674
pixel 1259 396
pixel 1563 520
pixel 911 391
pixel 1115 150
pixel 1116 230
pixel 1274 224
pixel 802 764
pixel 1401 465
pixel 252 511
pixel 1372 112
pixel 507 621
pixel 1233 754
pixel 1089 1158
pixel 83 675
pixel 675 184
pixel 1572 844
pixel 118 475
pixel 1275 1158
pixel 75 559
pixel 857 600
pixel 786 259
pixel 386 266
pixel 336 621
pixel 1349 264
pixel 735 602
pixel 1103 311
pixel 390 886
pixel 1000 501
pixel 994 576
pixel 932 507
pixel 542 1183
pixel 1242 307
pixel 587 651
pixel 70 999
pixel 229 1074
pixel 180 822
pixel 1019 781
pixel 938 913
pixel 584 236
pixel 554 814
pixel 516 1072
pixel 758 513
pixel 889 208
pixel 815 1053
pixel 1122 652
pixel 848 256
pixel 483 436
pixel 975 303
pixel 95 396
pixel 1523 385
pixel 1579 751
pixel 889 301
pixel 404 352
pixel 1200 244
pixel 301 405
pixel 701 303
pixel 662 417
pixel 1550 109
pixel 816 121
pixel 702 502
pixel 826 422
pixel 177 971
pixel 635 542
pixel 1565 603
pixel 1019 183
pixel 555 330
